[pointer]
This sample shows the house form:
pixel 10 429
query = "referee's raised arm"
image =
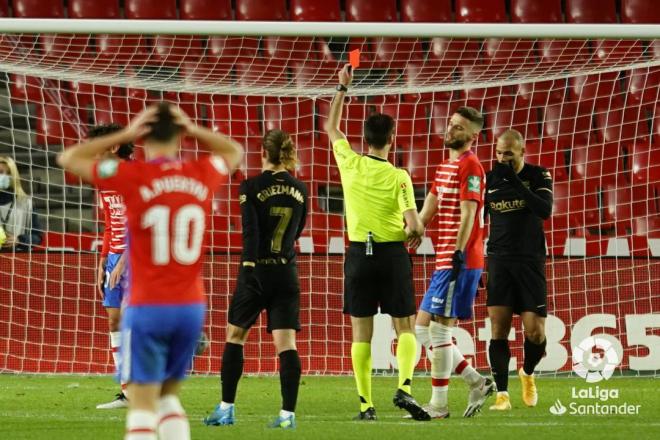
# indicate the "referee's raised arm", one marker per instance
pixel 378 270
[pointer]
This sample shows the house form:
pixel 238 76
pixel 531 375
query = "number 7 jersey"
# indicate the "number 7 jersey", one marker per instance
pixel 167 205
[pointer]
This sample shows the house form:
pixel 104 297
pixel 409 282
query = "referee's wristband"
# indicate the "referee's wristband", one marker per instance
pixel 341 88
pixel 249 264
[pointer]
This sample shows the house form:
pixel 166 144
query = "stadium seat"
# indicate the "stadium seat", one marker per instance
pixel 426 11
pixel 25 88
pixel 548 156
pixel 260 10
pixel 565 125
pixel 486 154
pixel 590 11
pixel 639 11
pixel 645 164
pixel 643 85
pixel 367 10
pixel 617 207
pixel 647 227
pixel 558 55
pixel 534 11
pixel 150 9
pixel 421 164
pixel 509 55
pixel 288 50
pixel 315 10
pixel 599 164
pixel 38 8
pixel 315 164
pixel 480 11
pixel 94 9
pixel 237 119
pixel 449 53
pixel 503 115
pixel 53 127
pixel 353 117
pixel 225 51
pixel 584 207
pixel 205 10
pixel 109 110
pixel 312 73
pixel 541 93
pixel 396 53
pixel 625 126
pixel 120 50
pixel 588 90
pixel 4 8
pixel 612 52
pixel 418 74
pixel 293 116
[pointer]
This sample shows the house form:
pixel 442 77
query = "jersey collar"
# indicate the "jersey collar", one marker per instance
pixel 380 159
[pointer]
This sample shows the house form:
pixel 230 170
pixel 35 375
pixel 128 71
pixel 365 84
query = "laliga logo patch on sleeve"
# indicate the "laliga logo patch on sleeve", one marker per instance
pixel 474 184
pixel 108 168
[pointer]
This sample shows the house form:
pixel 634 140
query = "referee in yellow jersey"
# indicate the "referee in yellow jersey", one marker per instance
pixel 378 270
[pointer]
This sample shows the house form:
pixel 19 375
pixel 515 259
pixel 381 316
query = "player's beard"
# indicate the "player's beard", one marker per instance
pixel 455 143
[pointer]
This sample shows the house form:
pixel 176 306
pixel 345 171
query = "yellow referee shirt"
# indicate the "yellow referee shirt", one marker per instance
pixel 376 194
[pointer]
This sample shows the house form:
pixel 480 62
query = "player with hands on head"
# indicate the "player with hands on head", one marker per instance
pixel 167 202
pixel 456 197
pixel 378 268
pixel 111 275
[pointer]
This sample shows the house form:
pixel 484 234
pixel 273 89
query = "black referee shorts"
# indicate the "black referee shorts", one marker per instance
pixel 383 279
pixel 279 296
pixel 517 283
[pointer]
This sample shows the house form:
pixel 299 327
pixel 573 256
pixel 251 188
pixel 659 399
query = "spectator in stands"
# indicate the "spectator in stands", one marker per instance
pixel 17 218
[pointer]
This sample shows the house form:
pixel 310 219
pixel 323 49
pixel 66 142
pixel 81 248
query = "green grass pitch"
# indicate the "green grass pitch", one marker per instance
pixel 62 407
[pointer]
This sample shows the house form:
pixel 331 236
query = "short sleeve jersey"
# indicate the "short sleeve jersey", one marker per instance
pixel 376 195
pixel 456 181
pixel 167 204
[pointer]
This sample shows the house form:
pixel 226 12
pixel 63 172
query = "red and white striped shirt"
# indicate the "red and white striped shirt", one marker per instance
pixel 456 181
pixel 114 212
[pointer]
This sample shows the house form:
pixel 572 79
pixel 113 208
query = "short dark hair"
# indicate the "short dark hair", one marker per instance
pixel 163 129
pixel 473 115
pixel 378 129
pixel 125 151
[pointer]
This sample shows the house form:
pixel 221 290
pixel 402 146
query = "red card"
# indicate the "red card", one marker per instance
pixel 354 58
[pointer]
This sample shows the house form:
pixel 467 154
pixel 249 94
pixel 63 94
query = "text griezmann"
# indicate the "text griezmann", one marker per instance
pixel 171 184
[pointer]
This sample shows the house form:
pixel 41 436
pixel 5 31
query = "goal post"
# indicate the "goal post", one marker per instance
pixel 585 97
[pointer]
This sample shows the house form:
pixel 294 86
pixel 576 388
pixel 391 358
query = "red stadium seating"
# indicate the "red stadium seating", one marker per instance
pixel 534 11
pixel 546 155
pixel 235 118
pixel 617 207
pixel 118 50
pixel 565 125
pixel 225 51
pixel 353 117
pixel 4 8
pixel 150 9
pixel 292 116
pixel 449 53
pixel 599 164
pixel 205 10
pixel 608 52
pixel 587 90
pixel 411 122
pixel 558 55
pixel 644 163
pixel 625 126
pixel 480 11
pixel 367 10
pixel 111 110
pixel 421 164
pixel 639 11
pixel 433 11
pixel 643 86
pixel 38 8
pixel 591 11
pixel 53 128
pixel 261 10
pixel 315 10
pixel 509 55
pixel 94 9
pixel 396 52
pixel 315 164
pixel 425 74
pixel 504 115
pixel 541 93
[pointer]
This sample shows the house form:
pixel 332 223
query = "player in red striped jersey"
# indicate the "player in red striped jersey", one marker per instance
pixel 111 277
pixel 167 203
pixel 457 196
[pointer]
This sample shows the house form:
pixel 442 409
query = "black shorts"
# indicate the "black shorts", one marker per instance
pixel 383 279
pixel 279 296
pixel 517 283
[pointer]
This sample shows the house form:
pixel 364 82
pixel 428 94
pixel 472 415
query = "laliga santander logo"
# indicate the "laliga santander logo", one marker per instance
pixel 591 366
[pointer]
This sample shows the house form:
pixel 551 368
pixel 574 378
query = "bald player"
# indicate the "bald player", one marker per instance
pixel 518 199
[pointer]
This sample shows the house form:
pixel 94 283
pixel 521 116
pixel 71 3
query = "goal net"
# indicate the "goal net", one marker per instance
pixel 587 107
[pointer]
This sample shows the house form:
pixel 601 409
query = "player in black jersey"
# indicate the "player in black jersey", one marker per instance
pixel 274 210
pixel 518 199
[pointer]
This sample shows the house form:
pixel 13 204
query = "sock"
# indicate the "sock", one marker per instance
pixel 115 345
pixel 284 413
pixel 422 333
pixel 406 350
pixel 462 367
pixel 231 371
pixel 361 358
pixel 289 379
pixel 225 405
pixel 441 360
pixel 499 355
pixel 173 422
pixel 533 355
pixel 141 425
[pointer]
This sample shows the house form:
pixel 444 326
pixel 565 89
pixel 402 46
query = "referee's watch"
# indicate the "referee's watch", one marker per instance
pixel 341 88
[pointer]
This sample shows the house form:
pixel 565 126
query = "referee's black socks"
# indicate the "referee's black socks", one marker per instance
pixel 533 354
pixel 289 378
pixel 499 355
pixel 231 371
